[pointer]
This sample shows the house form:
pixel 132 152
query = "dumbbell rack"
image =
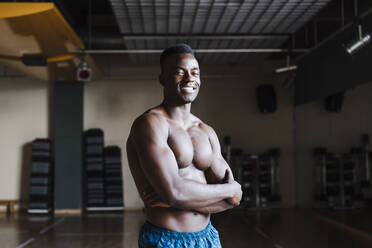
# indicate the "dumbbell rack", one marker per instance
pixel 365 160
pixel 258 177
pixel 337 184
pixel 363 155
pixel 249 168
pixel 41 190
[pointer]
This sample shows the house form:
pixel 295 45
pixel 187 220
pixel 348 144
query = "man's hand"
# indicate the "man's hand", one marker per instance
pixel 235 200
pixel 228 177
pixel 227 203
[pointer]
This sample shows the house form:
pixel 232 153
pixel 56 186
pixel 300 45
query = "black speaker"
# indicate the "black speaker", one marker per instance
pixel 333 103
pixel 266 98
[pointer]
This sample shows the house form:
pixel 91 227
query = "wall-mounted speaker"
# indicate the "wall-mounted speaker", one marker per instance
pixel 266 98
pixel 333 103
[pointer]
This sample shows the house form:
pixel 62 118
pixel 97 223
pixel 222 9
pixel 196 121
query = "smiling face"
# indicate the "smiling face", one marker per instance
pixel 180 78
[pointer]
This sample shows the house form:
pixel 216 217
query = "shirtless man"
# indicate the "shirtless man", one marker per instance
pixel 176 162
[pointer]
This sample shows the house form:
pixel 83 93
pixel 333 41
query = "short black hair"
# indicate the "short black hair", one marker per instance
pixel 175 49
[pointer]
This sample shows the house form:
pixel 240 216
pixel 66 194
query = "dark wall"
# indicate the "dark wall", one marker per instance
pixel 68 126
pixel 330 69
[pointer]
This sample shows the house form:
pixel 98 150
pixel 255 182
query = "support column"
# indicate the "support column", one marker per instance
pixel 68 128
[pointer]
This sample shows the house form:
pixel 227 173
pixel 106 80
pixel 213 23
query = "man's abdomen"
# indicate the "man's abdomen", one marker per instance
pixel 176 219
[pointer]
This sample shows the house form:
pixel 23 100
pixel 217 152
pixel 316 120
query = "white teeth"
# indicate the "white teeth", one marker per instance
pixel 188 89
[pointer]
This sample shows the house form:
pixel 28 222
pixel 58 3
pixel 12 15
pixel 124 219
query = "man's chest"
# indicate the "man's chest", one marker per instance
pixel 191 146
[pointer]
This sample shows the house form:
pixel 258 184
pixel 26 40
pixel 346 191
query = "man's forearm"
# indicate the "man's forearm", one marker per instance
pixel 189 194
pixel 215 208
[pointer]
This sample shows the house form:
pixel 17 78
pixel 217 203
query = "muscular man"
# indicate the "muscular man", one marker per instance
pixel 176 162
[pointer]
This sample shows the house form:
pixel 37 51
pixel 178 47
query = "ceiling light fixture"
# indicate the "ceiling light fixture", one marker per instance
pixel 288 66
pixel 289 72
pixel 362 40
pixel 358 44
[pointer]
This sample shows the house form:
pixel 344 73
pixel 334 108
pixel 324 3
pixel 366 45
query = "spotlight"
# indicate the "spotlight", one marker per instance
pixel 289 72
pixel 288 66
pixel 285 69
pixel 357 45
pixel 84 73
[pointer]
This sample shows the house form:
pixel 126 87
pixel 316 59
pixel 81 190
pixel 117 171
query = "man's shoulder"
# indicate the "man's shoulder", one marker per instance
pixel 148 128
pixel 152 118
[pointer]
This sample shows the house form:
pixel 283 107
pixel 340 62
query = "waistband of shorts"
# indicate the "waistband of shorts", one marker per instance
pixel 155 229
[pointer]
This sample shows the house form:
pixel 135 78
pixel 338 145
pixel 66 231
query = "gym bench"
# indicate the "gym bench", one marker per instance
pixel 9 205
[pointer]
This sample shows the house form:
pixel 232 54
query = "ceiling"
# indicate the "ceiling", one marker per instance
pixel 197 19
pixel 207 24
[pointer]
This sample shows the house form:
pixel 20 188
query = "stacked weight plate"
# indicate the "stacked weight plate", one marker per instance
pixel 41 190
pixel 264 175
pixel 94 192
pixel 248 179
pixel 113 178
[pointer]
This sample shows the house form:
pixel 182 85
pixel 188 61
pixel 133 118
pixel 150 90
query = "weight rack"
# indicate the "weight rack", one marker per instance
pixel 102 177
pixel 113 178
pixel 42 174
pixel 93 172
pixel 258 175
pixel 337 180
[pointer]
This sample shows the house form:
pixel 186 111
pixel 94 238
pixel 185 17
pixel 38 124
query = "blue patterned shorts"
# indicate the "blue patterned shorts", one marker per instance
pixel 156 237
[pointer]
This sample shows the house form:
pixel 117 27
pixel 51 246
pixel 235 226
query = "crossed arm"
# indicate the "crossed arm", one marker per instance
pixel 219 173
pixel 149 135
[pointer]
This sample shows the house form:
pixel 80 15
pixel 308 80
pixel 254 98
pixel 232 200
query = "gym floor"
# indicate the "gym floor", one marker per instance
pixel 275 228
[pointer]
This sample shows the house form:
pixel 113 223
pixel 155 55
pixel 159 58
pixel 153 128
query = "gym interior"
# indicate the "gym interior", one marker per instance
pixel 284 85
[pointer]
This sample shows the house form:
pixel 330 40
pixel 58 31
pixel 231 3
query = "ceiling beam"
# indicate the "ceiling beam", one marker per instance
pixel 146 51
pixel 206 36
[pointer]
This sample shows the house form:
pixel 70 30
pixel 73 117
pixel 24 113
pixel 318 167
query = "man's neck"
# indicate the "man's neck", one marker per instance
pixel 178 113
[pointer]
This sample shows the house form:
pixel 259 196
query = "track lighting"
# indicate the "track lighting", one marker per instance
pixel 285 69
pixel 289 71
pixel 358 44
pixel 288 66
